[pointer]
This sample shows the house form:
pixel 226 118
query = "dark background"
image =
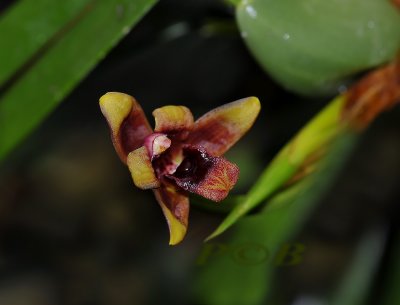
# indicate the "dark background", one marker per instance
pixel 74 230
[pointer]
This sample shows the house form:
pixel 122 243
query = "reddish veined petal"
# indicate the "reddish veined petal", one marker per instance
pixel 222 127
pixel 207 176
pixel 128 124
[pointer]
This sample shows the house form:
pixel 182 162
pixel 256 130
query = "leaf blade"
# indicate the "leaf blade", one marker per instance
pixel 24 105
pixel 26 28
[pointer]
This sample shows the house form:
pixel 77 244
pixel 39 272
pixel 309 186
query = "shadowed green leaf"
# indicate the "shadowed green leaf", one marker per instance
pixel 28 26
pixel 51 46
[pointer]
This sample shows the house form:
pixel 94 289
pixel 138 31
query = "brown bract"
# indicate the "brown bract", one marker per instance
pixel 376 92
pixel 396 3
pixel 181 156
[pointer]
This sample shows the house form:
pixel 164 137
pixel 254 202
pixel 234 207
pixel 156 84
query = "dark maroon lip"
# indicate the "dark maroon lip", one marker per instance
pixel 194 167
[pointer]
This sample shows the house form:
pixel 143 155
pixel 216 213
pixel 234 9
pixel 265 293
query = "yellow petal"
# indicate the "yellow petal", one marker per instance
pixel 219 129
pixel 172 119
pixel 175 206
pixel 127 122
pixel 141 169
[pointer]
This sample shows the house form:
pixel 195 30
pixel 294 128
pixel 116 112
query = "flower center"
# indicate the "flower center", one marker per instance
pixel 194 165
pixel 156 144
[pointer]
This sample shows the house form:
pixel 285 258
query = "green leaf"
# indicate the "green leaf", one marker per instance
pixel 239 269
pixel 311 52
pixel 314 136
pixel 28 26
pixel 51 46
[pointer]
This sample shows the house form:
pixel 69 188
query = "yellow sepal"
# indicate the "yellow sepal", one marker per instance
pixel 116 107
pixel 141 169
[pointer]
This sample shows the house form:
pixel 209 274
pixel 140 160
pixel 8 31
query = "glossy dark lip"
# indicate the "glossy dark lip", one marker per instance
pixel 193 169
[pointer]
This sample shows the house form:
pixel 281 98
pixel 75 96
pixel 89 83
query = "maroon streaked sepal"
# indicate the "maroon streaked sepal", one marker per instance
pixel 222 127
pixel 175 206
pixel 128 124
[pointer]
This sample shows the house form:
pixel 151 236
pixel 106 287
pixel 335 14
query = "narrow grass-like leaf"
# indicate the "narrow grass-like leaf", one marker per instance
pixel 70 53
pixel 316 135
pixel 26 28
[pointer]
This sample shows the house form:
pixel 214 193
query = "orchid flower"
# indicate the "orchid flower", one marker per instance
pixel 180 156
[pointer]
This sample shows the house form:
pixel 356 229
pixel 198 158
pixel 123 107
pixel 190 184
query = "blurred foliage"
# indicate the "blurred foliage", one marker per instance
pixel 51 46
pixel 223 280
pixel 355 287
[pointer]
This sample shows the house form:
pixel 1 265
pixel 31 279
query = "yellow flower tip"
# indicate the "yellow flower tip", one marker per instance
pixel 177 230
pixel 170 118
pixel 116 107
pixel 248 108
pixel 239 116
pixel 141 169
pixel 168 198
pixel 254 103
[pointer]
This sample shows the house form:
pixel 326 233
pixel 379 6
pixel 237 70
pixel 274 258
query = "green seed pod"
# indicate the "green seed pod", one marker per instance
pixel 312 46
